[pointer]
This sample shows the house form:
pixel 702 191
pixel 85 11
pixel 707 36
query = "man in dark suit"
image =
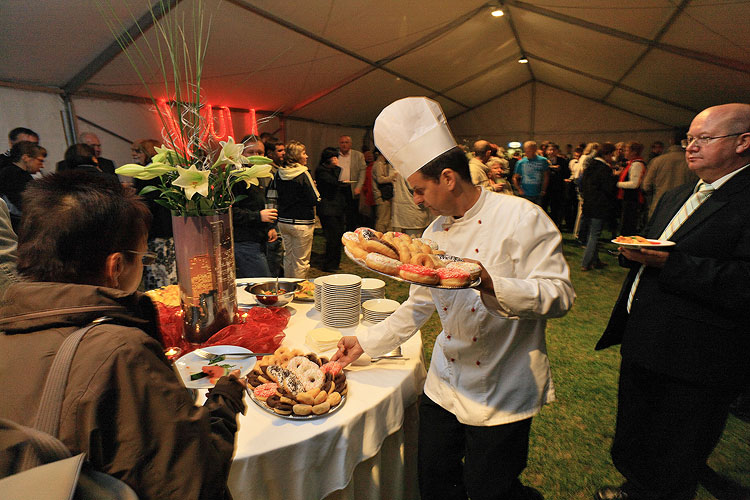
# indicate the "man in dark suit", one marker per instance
pixel 681 318
pixel 105 165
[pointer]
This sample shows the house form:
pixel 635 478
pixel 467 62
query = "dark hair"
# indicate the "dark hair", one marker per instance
pixel 636 147
pixel 13 135
pixel 26 148
pixel 271 144
pixel 454 159
pixel 71 223
pixel 77 155
pixel 605 150
pixel 327 154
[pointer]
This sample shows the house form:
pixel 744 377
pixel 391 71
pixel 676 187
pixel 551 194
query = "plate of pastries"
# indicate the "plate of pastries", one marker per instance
pixel 297 386
pixel 412 260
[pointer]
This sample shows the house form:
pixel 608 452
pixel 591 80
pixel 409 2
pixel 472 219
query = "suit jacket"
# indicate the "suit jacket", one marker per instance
pixel 690 319
pixel 357 169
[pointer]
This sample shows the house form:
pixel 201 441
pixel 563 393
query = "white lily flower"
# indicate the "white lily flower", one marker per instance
pixel 231 154
pixel 192 181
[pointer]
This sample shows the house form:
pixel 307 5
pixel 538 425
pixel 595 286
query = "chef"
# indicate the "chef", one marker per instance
pixel 489 373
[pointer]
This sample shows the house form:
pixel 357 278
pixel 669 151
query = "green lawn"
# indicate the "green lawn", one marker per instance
pixel 570 439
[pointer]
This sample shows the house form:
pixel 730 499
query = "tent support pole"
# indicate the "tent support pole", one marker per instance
pixel 69 120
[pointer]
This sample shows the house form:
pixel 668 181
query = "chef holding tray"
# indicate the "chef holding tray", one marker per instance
pixel 489 372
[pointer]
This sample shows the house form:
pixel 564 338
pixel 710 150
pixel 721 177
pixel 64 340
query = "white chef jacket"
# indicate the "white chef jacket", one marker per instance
pixel 489 364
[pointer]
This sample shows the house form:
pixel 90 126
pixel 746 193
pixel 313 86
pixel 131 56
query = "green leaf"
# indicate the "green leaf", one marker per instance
pixel 149 189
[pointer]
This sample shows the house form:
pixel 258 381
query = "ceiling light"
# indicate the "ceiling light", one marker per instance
pixel 497 12
pixel 523 60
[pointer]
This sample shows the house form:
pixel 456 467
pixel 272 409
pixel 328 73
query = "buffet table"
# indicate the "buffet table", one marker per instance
pixel 365 450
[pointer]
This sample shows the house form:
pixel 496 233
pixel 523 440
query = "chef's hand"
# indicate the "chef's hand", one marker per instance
pixel 486 286
pixel 349 350
pixel 651 258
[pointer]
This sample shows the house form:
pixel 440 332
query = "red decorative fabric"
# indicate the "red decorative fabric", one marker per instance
pixel 260 329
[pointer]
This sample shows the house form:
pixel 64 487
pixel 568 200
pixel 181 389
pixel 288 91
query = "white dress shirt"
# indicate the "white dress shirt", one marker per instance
pixel 489 364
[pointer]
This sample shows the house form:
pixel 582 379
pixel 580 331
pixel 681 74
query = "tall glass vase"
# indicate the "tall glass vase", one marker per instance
pixel 204 247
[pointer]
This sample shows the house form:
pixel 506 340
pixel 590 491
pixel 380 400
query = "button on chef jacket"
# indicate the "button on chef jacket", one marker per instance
pixel 489 365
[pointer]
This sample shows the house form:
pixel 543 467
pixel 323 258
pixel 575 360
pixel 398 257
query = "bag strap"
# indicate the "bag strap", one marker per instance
pixel 50 404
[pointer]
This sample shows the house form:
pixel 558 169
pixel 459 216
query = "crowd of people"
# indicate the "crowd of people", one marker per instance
pixel 83 239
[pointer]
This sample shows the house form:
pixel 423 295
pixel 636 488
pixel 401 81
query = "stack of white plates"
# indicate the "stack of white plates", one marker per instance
pixel 372 288
pixel 318 291
pixel 340 300
pixel 376 310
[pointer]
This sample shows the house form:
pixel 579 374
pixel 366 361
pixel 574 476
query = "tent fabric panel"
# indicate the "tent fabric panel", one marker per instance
pixel 38 111
pixel 507 117
pixel 573 113
pixel 372 28
pixel 490 84
pixel 444 61
pixel 570 80
pixel 658 110
pixel 642 18
pixel 574 46
pixel 280 68
pixel 702 27
pixel 361 101
pixel 693 83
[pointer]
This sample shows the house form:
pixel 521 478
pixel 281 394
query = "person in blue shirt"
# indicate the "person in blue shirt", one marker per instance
pixel 531 175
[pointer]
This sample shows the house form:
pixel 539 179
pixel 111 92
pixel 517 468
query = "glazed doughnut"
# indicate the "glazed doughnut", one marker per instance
pixel 302 409
pixel 422 259
pixel 322 396
pixel 262 392
pixel 389 238
pixel 404 254
pixel 381 247
pixel 299 362
pixel 311 378
pixel 283 409
pixel 437 262
pixel 419 274
pixel 473 269
pixel 321 408
pixel 333 399
pixel 428 242
pixel 382 264
pixel 453 276
pixel 305 398
pixel 350 237
pixel 356 250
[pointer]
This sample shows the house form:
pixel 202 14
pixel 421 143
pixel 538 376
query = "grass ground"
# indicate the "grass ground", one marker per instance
pixel 570 439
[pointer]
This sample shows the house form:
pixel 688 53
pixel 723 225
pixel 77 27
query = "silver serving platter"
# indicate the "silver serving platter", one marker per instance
pixel 361 263
pixel 292 416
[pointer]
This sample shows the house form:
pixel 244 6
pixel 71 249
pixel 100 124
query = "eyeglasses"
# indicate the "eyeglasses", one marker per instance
pixel 702 141
pixel 147 258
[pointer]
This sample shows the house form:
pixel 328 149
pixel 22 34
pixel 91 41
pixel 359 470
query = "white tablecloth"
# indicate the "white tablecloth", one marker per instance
pixel 366 450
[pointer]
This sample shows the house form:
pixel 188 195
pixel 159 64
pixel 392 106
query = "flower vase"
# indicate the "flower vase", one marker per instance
pixel 204 248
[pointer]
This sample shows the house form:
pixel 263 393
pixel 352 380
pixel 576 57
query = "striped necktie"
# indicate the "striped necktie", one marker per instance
pixel 692 203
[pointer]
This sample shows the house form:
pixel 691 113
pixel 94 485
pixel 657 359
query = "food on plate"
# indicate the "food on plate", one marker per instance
pixel 306 291
pixel 419 274
pixel 422 259
pixel 168 295
pixel 322 339
pixel 472 268
pixel 368 232
pixel 453 276
pixel 263 391
pixel 634 239
pixel 215 372
pixel 352 244
pixel 380 246
pixel 428 242
pixel 324 389
pixel 382 264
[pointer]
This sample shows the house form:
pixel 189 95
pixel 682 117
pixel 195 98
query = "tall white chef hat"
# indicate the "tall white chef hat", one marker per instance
pixel 411 132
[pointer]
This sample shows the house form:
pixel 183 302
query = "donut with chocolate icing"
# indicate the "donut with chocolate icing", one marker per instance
pixel 419 274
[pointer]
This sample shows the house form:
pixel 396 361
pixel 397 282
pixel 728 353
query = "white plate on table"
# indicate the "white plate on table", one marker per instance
pixel 651 244
pixel 192 363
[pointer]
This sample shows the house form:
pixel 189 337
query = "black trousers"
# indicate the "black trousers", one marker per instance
pixel 493 457
pixel 333 227
pixel 666 429
pixel 352 212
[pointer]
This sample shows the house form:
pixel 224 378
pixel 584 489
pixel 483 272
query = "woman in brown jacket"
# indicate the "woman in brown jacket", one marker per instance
pixel 82 246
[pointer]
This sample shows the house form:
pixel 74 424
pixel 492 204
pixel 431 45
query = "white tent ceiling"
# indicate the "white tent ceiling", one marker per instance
pixel 593 64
